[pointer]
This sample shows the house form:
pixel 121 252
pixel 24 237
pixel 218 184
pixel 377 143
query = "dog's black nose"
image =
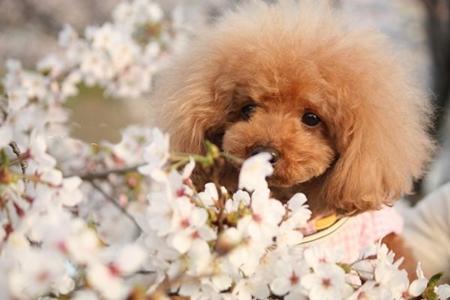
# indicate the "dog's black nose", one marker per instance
pixel 272 151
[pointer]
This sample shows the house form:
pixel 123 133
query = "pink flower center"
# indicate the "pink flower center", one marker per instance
pixel 257 218
pixel 114 270
pixel 326 282
pixel 61 245
pixel 132 182
pixel 180 192
pixel 43 276
pixel 185 223
pixel 294 279
pixel 195 235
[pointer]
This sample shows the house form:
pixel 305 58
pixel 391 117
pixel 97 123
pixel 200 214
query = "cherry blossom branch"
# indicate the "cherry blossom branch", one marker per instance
pixel 105 174
pixel 114 203
pixel 20 158
pixel 181 158
pixel 221 207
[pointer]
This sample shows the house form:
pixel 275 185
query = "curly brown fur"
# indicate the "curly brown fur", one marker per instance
pixel 288 59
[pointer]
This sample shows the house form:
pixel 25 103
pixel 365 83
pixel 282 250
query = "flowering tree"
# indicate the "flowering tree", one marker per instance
pixel 124 221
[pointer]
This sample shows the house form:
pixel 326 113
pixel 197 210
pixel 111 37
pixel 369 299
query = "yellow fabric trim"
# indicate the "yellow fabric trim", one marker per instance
pixel 325 232
pixel 325 222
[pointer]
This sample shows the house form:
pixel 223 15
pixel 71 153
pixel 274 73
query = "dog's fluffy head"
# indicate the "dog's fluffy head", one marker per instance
pixel 263 74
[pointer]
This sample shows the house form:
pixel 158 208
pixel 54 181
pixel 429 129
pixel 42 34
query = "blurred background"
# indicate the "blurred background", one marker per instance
pixel 29 30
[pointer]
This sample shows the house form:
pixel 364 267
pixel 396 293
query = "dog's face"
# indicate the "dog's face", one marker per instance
pixel 335 108
pixel 276 113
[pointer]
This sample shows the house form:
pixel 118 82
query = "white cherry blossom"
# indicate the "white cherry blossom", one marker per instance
pixel 106 281
pixel 189 223
pixel 327 282
pixel 209 196
pixel 254 172
pixel 443 291
pixel 157 153
pixel 103 221
pixel 418 285
pixel 266 213
pixel 287 279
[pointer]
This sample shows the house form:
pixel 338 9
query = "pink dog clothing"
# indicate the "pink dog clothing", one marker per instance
pixel 349 236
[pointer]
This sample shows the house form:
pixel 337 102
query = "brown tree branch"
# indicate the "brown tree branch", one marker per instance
pixel 22 162
pixel 102 175
pixel 114 203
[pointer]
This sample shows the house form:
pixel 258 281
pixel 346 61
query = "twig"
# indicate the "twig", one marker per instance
pixel 22 162
pixel 145 272
pixel 221 216
pixel 182 158
pixel 232 158
pixel 3 106
pixel 105 174
pixel 114 203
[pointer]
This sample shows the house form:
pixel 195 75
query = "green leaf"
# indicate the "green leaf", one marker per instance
pixel 346 267
pixel 3 158
pixel 429 293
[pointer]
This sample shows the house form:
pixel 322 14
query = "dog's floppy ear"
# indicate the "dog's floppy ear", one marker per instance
pixel 192 107
pixel 382 140
pixel 190 119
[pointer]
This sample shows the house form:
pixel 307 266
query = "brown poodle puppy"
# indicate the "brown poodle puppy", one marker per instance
pixel 343 120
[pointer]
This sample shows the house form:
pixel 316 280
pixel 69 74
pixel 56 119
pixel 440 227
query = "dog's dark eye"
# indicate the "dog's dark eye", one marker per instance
pixel 310 119
pixel 247 111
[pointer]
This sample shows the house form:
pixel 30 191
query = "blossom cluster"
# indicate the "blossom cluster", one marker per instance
pixel 125 221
